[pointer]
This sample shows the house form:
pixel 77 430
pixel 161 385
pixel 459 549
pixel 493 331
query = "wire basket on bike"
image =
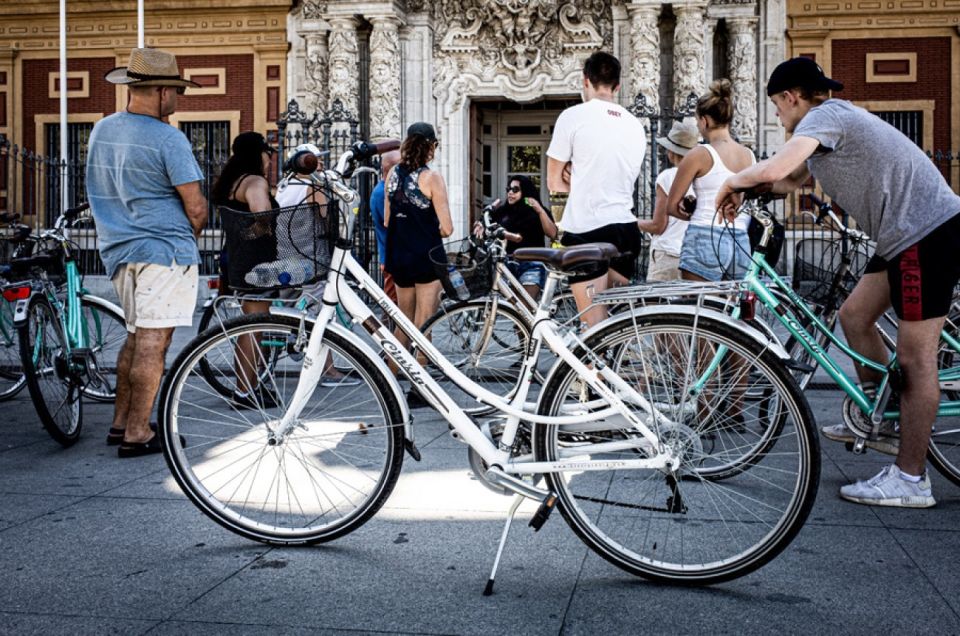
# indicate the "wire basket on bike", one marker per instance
pixel 470 261
pixel 817 261
pixel 279 248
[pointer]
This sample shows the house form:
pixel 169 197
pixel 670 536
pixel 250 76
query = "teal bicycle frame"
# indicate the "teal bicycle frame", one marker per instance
pixel 789 320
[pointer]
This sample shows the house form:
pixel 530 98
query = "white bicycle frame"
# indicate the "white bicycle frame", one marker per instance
pixel 606 383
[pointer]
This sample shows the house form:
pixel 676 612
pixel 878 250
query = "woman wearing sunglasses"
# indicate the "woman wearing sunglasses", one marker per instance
pixel 524 214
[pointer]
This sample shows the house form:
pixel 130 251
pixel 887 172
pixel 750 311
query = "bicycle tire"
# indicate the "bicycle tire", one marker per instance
pixel 56 395
pixel 943 451
pixel 106 334
pixel 645 547
pixel 219 438
pixel 456 331
pixel 12 378
pixel 213 315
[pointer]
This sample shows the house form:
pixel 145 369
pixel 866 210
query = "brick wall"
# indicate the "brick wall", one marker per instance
pixel 37 100
pixel 849 65
pixel 239 78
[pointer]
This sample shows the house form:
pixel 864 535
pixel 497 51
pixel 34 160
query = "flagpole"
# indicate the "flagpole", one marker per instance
pixel 140 24
pixel 64 194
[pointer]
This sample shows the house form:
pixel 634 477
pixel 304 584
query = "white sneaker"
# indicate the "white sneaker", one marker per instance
pixel 888 488
pixel 840 433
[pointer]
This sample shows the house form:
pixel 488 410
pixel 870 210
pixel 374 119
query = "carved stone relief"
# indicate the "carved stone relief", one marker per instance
pixel 313 9
pixel 316 71
pixel 688 51
pixel 343 73
pixel 743 75
pixel 384 78
pixel 645 52
pixel 519 46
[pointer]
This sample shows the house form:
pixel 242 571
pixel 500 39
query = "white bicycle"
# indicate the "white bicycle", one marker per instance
pixel 653 463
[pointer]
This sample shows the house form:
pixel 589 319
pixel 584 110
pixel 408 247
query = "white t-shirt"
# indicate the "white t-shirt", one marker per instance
pixel 672 238
pixel 606 145
pixel 292 192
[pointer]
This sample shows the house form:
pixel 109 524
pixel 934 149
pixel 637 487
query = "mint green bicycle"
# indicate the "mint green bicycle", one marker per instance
pixel 68 342
pixel 809 336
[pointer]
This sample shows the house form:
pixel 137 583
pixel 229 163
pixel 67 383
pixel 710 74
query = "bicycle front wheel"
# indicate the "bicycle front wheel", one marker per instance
pixel 12 379
pixel 106 334
pixel 486 347
pixel 944 448
pixel 324 478
pixel 53 383
pixel 214 315
pixel 686 525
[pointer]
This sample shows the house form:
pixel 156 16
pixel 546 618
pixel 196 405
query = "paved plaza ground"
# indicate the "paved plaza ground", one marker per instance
pixel 93 544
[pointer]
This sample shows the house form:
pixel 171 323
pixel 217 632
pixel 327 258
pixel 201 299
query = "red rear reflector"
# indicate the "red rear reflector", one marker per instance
pixel 213 283
pixel 748 305
pixel 13 294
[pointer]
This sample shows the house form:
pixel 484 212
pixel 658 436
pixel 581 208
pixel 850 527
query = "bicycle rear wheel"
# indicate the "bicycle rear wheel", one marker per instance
pixel 219 311
pixel 12 379
pixel 330 474
pixel 106 332
pixel 686 526
pixel 56 391
pixel 490 357
pixel 944 449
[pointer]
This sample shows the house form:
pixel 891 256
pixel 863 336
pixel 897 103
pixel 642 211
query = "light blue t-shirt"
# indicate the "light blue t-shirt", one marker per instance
pixel 134 163
pixel 376 211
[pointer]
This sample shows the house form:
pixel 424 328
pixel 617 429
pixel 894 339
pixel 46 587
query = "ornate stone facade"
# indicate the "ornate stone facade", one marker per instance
pixel 343 81
pixel 645 51
pixel 743 73
pixel 688 51
pixel 385 78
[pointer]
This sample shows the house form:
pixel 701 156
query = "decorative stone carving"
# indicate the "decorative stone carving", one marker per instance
pixel 521 46
pixel 385 78
pixel 688 68
pixel 316 71
pixel 743 74
pixel 313 9
pixel 343 74
pixel 645 52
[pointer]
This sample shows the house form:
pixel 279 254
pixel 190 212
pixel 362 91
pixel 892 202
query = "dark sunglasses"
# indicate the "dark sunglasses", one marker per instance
pixel 513 189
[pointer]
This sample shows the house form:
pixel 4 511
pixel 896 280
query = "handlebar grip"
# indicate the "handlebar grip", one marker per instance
pixel 364 149
pixel 73 212
pixel 513 237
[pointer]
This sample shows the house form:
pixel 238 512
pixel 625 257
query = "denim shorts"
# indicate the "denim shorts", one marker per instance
pixel 528 273
pixel 715 252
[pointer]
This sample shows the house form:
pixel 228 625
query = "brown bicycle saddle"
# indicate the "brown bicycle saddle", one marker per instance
pixel 567 257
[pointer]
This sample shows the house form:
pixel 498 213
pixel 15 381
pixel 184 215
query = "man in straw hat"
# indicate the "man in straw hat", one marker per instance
pixel 668 231
pixel 143 185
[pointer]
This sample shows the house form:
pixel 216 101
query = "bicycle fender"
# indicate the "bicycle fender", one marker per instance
pixel 103 302
pixel 388 379
pixel 763 339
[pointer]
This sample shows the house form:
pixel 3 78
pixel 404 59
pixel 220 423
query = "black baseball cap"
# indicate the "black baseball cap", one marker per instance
pixel 800 72
pixel 423 129
pixel 251 142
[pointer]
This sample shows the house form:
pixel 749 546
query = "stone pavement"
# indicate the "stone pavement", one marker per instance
pixel 93 544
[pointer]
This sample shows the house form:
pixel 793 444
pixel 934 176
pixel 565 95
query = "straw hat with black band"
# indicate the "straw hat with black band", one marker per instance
pixel 149 67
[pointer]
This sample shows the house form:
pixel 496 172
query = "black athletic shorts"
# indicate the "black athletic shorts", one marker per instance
pixel 923 276
pixel 625 236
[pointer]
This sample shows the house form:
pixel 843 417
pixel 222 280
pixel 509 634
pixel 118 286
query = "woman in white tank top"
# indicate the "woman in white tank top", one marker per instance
pixel 712 250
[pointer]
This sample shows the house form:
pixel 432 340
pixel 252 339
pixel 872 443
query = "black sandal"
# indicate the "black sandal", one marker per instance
pixel 139 449
pixel 115 436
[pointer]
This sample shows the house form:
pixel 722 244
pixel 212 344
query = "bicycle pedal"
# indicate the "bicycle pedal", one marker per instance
pixel 795 365
pixel 543 512
pixel 860 446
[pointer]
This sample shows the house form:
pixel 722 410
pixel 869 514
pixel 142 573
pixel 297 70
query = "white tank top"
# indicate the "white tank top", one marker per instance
pixel 706 189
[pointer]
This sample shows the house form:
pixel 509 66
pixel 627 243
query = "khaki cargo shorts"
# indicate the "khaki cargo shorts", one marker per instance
pixel 157 296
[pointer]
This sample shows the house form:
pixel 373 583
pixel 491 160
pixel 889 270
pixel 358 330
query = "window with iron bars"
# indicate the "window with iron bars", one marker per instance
pixel 78 139
pixel 909 122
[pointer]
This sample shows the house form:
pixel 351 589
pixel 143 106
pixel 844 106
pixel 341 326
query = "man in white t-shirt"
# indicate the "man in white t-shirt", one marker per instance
pixel 604 145
pixel 668 231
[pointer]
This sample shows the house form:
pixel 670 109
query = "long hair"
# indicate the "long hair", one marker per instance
pixel 717 103
pixel 528 189
pixel 237 165
pixel 415 152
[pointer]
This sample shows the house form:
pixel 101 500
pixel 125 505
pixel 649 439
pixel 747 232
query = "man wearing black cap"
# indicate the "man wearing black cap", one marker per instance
pixel 143 185
pixel 896 194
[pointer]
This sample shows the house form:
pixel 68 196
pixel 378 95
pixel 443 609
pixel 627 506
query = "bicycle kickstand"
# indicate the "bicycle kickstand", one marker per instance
pixel 517 500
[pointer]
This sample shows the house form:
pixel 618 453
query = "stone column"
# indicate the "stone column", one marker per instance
pixel 742 56
pixel 709 30
pixel 344 74
pixel 645 52
pixel 385 78
pixel 688 51
pixel 315 83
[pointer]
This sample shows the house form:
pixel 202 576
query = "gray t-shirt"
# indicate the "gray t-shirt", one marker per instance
pixel 874 172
